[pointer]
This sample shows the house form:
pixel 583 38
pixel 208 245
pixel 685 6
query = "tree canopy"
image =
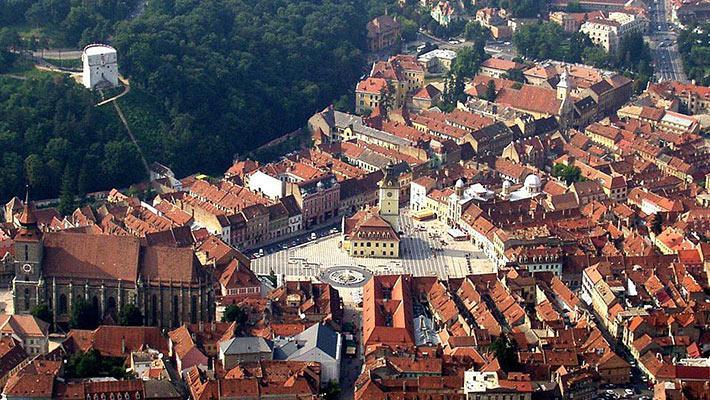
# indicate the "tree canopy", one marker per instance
pixel 67 22
pixel 568 173
pixel 92 364
pixel 42 312
pixel 227 75
pixel 84 315
pixel 506 351
pixel 130 315
pixel 549 41
pixel 52 134
pixel 694 48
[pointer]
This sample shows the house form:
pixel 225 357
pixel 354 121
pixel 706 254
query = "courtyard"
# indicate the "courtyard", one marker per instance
pixel 426 250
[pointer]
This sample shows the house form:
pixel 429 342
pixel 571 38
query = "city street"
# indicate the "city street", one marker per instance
pixel 426 250
pixel 663 44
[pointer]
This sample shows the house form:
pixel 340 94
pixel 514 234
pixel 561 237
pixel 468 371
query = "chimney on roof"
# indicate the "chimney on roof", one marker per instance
pixel 213 326
pixel 201 326
pixel 123 345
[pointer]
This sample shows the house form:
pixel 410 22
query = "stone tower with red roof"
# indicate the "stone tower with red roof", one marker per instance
pixel 28 259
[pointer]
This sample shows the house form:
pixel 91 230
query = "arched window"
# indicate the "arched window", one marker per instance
pixel 176 313
pixel 154 310
pixel 27 298
pixel 62 309
pixel 111 304
pixel 193 309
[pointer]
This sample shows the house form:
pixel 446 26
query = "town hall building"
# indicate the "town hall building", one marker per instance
pixel 373 232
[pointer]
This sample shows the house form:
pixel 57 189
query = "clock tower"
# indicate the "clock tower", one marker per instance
pixel 389 197
pixel 28 260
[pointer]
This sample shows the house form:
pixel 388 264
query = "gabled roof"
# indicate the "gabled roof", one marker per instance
pixel 91 256
pixel 320 336
pixel 244 345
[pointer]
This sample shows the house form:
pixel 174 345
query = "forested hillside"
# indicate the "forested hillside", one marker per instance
pixel 210 79
pixel 53 138
pixel 231 74
pixel 64 23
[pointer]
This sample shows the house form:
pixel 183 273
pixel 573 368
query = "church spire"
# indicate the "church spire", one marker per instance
pixel 27 218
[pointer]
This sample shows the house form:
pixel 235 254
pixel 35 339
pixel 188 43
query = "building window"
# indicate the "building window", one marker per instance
pixel 176 314
pixel 27 299
pixel 154 309
pixel 62 304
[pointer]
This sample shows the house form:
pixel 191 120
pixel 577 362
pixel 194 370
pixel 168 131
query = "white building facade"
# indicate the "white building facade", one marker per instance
pixel 100 66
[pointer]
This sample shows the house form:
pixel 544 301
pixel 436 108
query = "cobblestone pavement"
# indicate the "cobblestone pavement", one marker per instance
pixel 426 251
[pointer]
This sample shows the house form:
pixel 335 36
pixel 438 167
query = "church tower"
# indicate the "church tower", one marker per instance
pixel 566 111
pixel 28 283
pixel 389 197
pixel 564 86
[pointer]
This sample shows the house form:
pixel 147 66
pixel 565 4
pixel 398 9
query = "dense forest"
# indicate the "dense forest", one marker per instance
pixel 229 74
pixel 694 47
pixel 210 79
pixel 64 23
pixel 54 139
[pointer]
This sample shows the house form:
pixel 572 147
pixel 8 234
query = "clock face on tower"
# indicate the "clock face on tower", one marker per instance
pixel 389 194
pixel 27 268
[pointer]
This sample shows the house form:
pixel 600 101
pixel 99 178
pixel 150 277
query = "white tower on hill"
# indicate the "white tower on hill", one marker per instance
pixel 100 66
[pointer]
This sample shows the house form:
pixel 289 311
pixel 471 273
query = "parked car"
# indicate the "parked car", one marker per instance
pixel 314 236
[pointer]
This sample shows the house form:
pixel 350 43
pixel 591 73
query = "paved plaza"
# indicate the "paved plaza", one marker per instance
pixel 426 250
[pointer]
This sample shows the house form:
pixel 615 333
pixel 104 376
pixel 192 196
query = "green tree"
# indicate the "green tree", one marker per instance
pixel 694 48
pixel 468 60
pixel 130 315
pixel 515 75
pixel 92 364
pixel 9 39
pixel 42 312
pixel 36 174
pixel 332 391
pixel 83 315
pixel 595 56
pixel 273 278
pixel 409 28
pixel 475 32
pixel 657 223
pixel 506 351
pixel 67 198
pixel 569 174
pixel 491 91
pixel 235 313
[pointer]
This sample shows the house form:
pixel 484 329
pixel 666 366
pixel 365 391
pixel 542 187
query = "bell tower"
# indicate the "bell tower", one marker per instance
pixel 28 261
pixel 389 197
